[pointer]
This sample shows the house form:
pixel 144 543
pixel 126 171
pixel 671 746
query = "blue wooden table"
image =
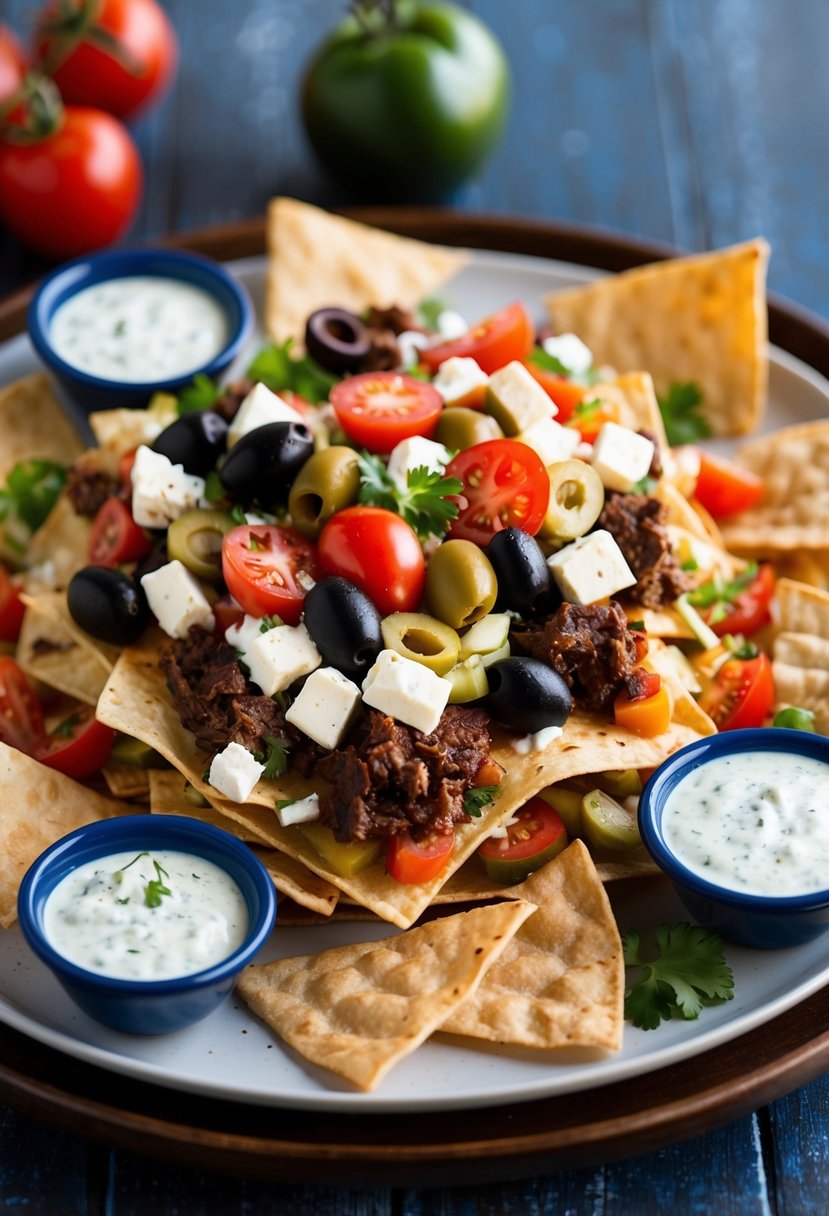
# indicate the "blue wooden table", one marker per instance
pixel 696 122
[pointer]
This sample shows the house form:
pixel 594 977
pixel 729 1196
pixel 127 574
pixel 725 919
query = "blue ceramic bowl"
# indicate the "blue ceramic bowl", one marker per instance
pixel 148 1006
pixel 765 921
pixel 96 392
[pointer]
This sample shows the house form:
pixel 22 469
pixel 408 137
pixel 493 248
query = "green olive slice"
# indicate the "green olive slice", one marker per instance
pixel 422 638
pixel 460 428
pixel 461 586
pixel 195 539
pixel 468 680
pixel 576 500
pixel 328 482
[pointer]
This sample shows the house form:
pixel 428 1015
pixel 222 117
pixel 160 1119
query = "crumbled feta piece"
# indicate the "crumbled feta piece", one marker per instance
pixel 415 453
pixel 571 353
pixel 591 568
pixel 161 490
pixel 240 635
pixel 620 456
pixel 279 657
pixel 551 440
pixel 515 399
pixel 458 377
pixel 324 706
pixel 259 408
pixel 176 600
pixel 406 690
pixel 536 742
pixel 234 772
pixel 410 343
pixel 302 810
pixel 500 832
pixel 451 325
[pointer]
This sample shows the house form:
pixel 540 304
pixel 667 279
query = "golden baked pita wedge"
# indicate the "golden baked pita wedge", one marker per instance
pixel 35 425
pixel 560 981
pixel 700 318
pixel 51 648
pixel 357 1010
pixel 317 259
pixel 801 651
pixel 57 550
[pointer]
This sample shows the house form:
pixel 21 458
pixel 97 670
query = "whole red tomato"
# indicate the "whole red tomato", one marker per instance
pixel 12 64
pixel 76 190
pixel 118 55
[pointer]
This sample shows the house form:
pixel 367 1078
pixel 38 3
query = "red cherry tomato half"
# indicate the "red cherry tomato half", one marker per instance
pixel 379 409
pixel 379 552
pixel 493 343
pixel 505 485
pixel 74 191
pixel 564 394
pixel 21 716
pixel 226 612
pixel 537 834
pixel 588 417
pixel 741 694
pixel 415 861
pixel 115 536
pixel 266 566
pixel 123 57
pixel 724 489
pixel 751 608
pixel 125 467
pixel 12 607
pixel 79 747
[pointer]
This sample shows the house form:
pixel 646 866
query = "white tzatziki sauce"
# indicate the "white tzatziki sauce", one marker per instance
pixel 146 916
pixel 139 329
pixel 756 822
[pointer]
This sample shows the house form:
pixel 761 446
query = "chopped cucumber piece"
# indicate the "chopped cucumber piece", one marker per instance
pixel 567 803
pixel 468 680
pixel 606 824
pixel 488 634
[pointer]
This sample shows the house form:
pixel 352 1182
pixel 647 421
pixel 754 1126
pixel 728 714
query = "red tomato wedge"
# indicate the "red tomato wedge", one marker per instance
pixel 537 835
pixel 415 861
pixel 750 609
pixel 588 417
pixel 493 343
pixel 11 607
pixel 379 409
pixel 723 488
pixel 565 394
pixel 79 747
pixel 21 715
pixel 115 536
pixel 741 694
pixel 378 552
pixel 266 566
pixel 226 613
pixel 505 485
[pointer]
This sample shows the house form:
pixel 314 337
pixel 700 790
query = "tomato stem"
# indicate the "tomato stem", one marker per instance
pixel 376 18
pixel 74 23
pixel 33 112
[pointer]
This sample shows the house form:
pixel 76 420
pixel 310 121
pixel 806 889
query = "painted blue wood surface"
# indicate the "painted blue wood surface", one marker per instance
pixel 698 122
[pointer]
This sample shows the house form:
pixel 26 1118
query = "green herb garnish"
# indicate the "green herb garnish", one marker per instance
pixel 645 485
pixel 31 490
pixel 551 363
pixel 274 757
pixel 424 504
pixel 155 888
pixel 680 408
pixel 202 394
pixel 214 491
pixel 237 514
pixel 476 799
pixel 687 972
pixel 66 729
pixel 429 311
pixel 718 596
pixel 275 367
pixel 269 622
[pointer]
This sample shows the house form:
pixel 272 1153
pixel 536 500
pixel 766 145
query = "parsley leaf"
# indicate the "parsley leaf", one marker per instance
pixel 275 756
pixel 680 412
pixel 548 363
pixel 237 514
pixel 424 504
pixel 429 311
pixel 476 799
pixel 276 367
pixel 202 394
pixel 269 622
pixel 155 888
pixel 66 729
pixel 688 971
pixel 214 490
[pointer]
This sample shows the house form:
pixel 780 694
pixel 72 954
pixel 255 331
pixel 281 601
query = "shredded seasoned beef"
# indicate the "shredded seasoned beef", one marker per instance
pixel 637 522
pixel 656 470
pixel 395 318
pixel 384 354
pixel 89 488
pixel 589 645
pixel 392 778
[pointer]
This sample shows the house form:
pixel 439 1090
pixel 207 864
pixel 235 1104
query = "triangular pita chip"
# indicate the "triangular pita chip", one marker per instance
pixel 34 424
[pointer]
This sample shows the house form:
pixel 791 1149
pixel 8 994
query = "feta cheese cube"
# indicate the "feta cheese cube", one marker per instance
pixel 571 353
pixel 279 657
pixel 620 456
pixel 451 325
pixel 176 600
pixel 416 453
pixel 551 440
pixel 325 706
pixel 591 568
pixel 303 810
pixel 410 343
pixel 406 690
pixel 515 399
pixel 234 772
pixel 260 408
pixel 458 378
pixel 161 490
pixel 240 635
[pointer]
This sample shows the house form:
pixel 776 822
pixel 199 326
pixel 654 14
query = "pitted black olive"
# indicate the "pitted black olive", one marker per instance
pixel 526 695
pixel 520 568
pixel 264 463
pixel 344 625
pixel 337 340
pixel 108 605
pixel 195 440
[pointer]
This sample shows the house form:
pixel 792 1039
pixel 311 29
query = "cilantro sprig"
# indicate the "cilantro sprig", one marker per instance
pixel 425 503
pixel 476 799
pixel 687 972
pixel 680 408
pixel 546 362
pixel 202 394
pixel 274 756
pixel 718 594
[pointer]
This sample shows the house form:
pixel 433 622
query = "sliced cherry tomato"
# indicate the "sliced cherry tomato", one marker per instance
pixel 78 747
pixel 416 861
pixel 750 609
pixel 741 694
pixel 493 343
pixel 379 409
pixel 21 715
pixel 590 415
pixel 537 835
pixel 226 613
pixel 647 715
pixel 723 488
pixel 266 566
pixel 378 551
pixel 505 485
pixel 12 607
pixel 115 536
pixel 565 394
pixel 125 464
